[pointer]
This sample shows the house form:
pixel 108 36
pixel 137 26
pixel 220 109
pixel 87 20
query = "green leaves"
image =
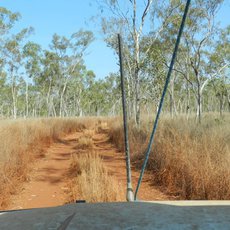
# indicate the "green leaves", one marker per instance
pixel 7 20
pixel 81 40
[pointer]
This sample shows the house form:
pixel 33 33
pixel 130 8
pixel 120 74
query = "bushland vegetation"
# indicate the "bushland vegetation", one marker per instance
pixel 25 141
pixel 51 82
pixel 188 160
pixel 22 142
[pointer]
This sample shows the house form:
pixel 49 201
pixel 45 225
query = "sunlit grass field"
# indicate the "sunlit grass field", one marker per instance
pixel 188 159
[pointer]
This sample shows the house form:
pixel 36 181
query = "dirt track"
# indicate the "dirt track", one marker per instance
pixel 48 181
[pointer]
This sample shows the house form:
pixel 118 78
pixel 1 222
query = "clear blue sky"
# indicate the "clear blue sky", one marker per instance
pixel 65 17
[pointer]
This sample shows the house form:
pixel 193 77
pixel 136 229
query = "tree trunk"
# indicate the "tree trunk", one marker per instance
pixel 27 101
pixel 137 99
pixel 14 96
pixel 221 101
pixel 187 100
pixel 171 105
pixel 172 101
pixel 48 100
pixel 228 100
pixel 199 105
pixel 61 100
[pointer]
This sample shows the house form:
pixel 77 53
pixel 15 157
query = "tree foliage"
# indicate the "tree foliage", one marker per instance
pixel 55 81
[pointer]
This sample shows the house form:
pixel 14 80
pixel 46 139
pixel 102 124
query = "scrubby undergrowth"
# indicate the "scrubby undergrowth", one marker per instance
pixel 189 160
pixel 23 141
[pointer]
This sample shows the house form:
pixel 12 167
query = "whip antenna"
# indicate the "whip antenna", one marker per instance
pixel 162 97
pixel 129 193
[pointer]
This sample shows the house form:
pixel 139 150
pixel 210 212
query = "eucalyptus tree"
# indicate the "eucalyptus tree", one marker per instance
pixel 78 73
pixel 40 82
pixel 46 81
pixel 128 19
pixel 199 37
pixel 33 56
pixel 134 20
pixel 102 97
pixel 76 96
pixel 7 21
pixel 69 61
pixel 18 61
pixel 198 41
pixel 220 60
pixel 13 58
pixel 5 102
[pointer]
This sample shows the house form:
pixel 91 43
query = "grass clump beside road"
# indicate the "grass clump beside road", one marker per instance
pixel 189 160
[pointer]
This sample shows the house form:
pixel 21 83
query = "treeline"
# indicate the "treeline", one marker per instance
pixel 55 82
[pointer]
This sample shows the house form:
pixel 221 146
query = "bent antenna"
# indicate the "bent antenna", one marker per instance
pixel 129 193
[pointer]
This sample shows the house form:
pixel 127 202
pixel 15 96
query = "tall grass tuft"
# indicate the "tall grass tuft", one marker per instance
pixel 85 142
pixel 91 181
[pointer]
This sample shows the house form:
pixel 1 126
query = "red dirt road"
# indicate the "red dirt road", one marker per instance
pixel 47 184
pixel 48 180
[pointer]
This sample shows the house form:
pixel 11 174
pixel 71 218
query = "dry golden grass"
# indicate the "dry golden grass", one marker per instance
pixel 22 141
pixel 85 142
pixel 102 124
pixel 89 133
pixel 191 161
pixel 91 181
